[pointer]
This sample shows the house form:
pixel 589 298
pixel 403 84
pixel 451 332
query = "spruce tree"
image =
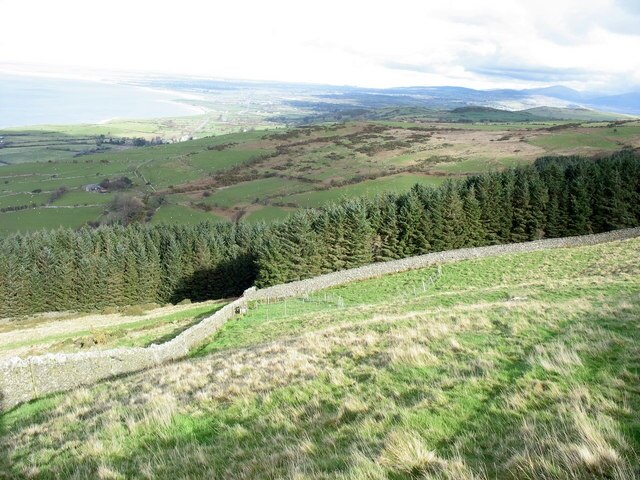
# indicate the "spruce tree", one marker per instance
pixel 475 234
pixel 387 245
pixel 413 225
pixel 579 202
pixel 359 250
pixel 454 226
pixel 521 211
pixel 488 191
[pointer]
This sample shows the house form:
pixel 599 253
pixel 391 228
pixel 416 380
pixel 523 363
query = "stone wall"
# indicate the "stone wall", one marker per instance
pixel 302 287
pixel 22 380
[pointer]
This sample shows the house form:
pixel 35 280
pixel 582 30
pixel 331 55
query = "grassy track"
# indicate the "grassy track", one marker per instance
pixel 518 367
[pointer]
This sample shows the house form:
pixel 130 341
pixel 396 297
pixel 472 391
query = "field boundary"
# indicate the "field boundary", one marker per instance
pixel 22 380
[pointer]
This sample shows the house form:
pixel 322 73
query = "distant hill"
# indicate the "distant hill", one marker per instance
pixel 560 103
pixel 624 103
pixel 585 114
pixel 490 114
pixel 557 91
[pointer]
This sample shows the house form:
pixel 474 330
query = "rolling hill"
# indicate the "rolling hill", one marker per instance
pixel 265 175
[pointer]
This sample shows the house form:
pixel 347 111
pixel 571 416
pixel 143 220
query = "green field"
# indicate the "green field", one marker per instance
pixel 369 188
pixel 592 140
pixel 212 161
pixel 266 214
pixel 517 367
pixel 47 218
pixel 42 143
pixel 181 215
pixel 247 192
pixel 17 199
pixel 240 174
pixel 80 197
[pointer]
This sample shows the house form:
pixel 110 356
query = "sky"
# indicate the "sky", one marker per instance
pixel 583 44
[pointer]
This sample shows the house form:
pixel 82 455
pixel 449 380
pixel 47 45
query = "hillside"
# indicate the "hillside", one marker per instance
pixel 522 366
pixel 265 175
pixel 113 266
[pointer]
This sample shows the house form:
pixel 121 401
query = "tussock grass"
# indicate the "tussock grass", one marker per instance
pixel 519 367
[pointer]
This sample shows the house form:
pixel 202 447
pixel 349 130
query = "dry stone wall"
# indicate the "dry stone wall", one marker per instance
pixel 302 287
pixel 22 380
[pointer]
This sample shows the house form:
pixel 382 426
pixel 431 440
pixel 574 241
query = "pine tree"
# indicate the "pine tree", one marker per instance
pixel 386 241
pixel 505 194
pixel 149 268
pixel 60 294
pixel 552 177
pixel 87 276
pixel 413 225
pixel 171 260
pixel 16 299
pixel 538 201
pixel 521 217
pixel 454 227
pixel 359 250
pixel 612 203
pixel 334 239
pixel 579 204
pixel 475 233
pixel 488 190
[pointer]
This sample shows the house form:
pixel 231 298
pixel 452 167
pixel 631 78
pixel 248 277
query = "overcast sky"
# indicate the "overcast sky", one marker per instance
pixel 585 44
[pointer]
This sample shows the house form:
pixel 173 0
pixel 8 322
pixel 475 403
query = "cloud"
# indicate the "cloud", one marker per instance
pixel 428 68
pixel 631 6
pixel 536 74
pixel 474 43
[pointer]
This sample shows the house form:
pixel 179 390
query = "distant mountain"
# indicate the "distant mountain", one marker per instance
pixel 585 114
pixel 624 103
pixel 446 97
pixel 536 114
pixel 557 91
pixel 332 99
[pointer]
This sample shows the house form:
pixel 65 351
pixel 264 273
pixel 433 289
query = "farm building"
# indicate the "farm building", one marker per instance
pixel 94 188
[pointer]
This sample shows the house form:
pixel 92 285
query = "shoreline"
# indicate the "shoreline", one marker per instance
pixel 105 121
pixel 156 104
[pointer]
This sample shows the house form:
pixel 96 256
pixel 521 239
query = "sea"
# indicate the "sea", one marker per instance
pixel 31 100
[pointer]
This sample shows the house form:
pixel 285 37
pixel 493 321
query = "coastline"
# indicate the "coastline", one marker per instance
pixel 99 102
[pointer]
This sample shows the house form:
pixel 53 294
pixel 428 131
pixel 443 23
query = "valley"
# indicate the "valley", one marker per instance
pixel 328 241
pixel 265 175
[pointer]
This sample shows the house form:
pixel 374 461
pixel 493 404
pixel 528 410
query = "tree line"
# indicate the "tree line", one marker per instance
pixel 114 265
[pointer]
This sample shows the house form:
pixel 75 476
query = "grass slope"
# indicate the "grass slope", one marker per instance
pixel 518 367
pixel 134 326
